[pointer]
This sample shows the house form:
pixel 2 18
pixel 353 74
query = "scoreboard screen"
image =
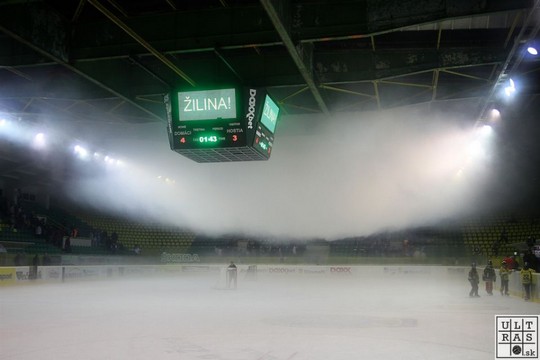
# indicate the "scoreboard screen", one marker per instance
pixel 204 119
pixel 218 125
pixel 211 134
pixel 206 105
pixel 270 114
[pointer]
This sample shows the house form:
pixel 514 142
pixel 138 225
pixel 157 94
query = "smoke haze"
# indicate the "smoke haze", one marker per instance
pixel 327 178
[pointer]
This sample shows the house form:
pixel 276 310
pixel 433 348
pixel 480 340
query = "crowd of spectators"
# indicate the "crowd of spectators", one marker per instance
pixel 13 213
pixel 412 244
pixel 101 238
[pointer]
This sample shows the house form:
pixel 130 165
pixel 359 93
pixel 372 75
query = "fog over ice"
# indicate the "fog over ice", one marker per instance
pixel 346 175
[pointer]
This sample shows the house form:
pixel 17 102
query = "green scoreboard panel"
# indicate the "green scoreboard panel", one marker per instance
pixel 270 114
pixel 222 125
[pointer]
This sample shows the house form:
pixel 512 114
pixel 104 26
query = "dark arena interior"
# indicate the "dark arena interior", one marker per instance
pixel 354 160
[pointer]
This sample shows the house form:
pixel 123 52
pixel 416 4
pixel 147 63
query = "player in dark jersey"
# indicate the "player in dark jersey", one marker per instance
pixel 489 277
pixel 474 279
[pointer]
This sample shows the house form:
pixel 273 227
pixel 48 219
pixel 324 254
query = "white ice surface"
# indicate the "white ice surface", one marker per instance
pixel 280 318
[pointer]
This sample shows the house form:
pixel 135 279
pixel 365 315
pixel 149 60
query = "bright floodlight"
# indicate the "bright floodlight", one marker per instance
pixel 11 130
pixel 4 125
pixel 80 151
pixel 495 114
pixel 510 89
pixel 477 150
pixel 109 160
pixel 167 180
pixel 531 50
pixel 39 140
pixel 486 130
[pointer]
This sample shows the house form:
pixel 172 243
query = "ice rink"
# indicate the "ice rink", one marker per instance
pixel 290 317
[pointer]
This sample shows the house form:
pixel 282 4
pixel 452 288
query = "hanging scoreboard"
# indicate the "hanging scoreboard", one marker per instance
pixel 222 125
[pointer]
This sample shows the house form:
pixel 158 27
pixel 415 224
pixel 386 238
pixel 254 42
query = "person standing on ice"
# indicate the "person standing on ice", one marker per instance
pixel 489 277
pixel 231 275
pixel 504 273
pixel 526 275
pixel 474 279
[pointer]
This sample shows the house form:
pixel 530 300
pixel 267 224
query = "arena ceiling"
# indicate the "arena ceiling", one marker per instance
pixel 113 60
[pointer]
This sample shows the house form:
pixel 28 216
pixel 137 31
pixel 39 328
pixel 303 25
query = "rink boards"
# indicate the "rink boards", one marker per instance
pixel 25 274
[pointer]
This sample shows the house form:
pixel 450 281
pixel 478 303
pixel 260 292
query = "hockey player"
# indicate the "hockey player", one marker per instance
pixel 474 279
pixel 526 275
pixel 489 277
pixel 504 273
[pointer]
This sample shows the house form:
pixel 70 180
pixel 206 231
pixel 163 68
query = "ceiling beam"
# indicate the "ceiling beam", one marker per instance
pixel 302 61
pixel 51 43
pixel 77 71
pixel 385 15
pixel 434 85
pixel 171 4
pixel 227 64
pixel 135 60
pixel 78 11
pixel 514 58
pixel 249 26
pixel 141 41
